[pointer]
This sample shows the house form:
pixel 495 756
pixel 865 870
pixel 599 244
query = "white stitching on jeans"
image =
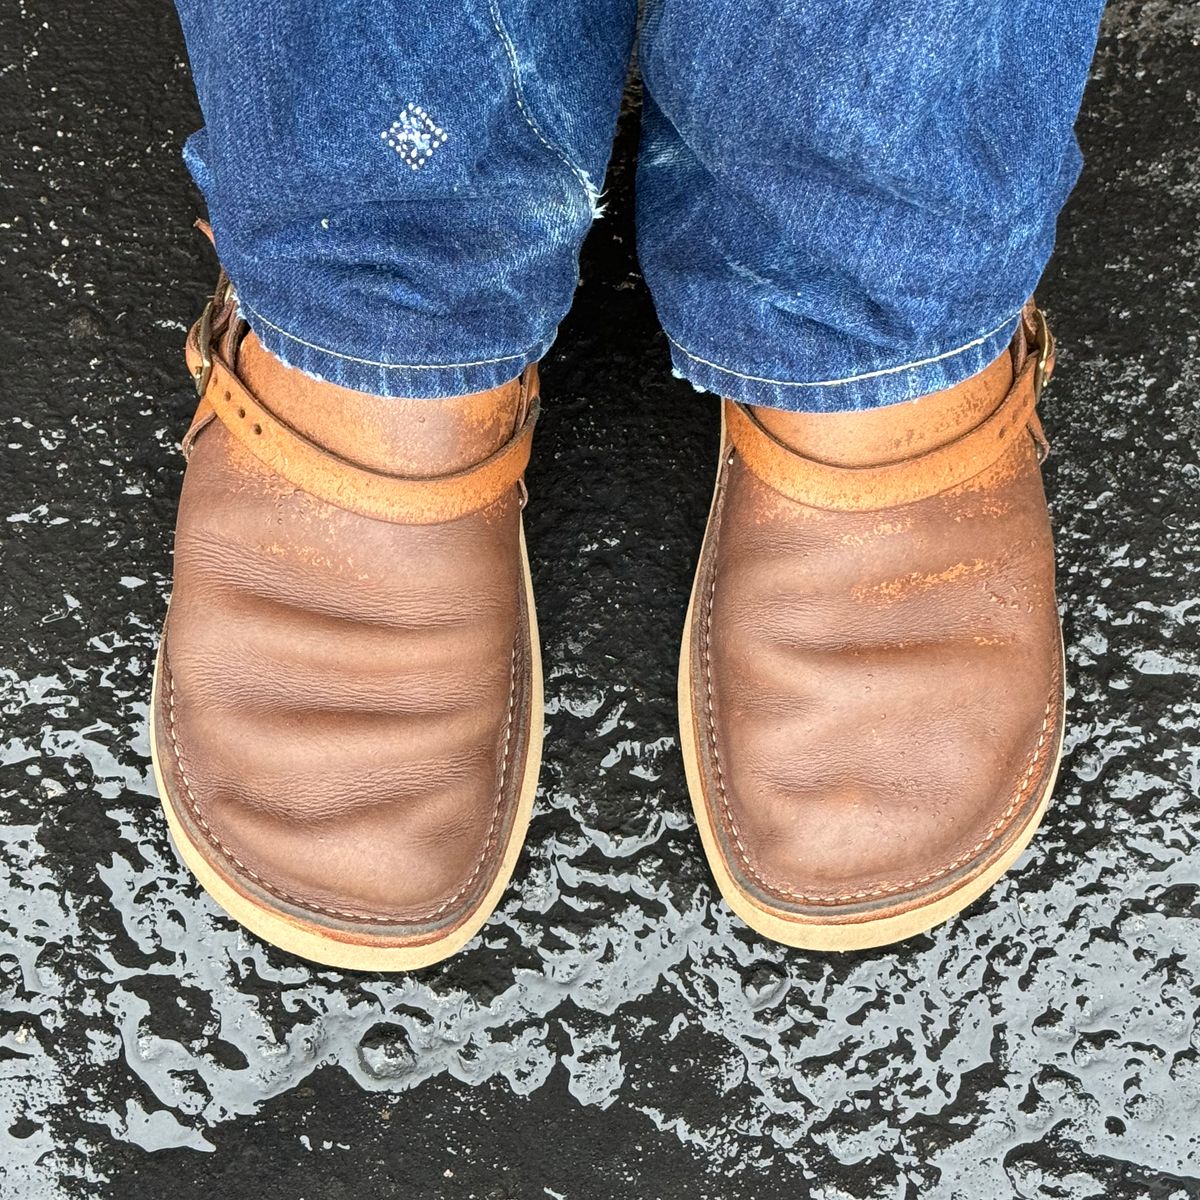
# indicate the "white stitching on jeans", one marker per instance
pixel 514 65
pixel 367 362
pixel 921 362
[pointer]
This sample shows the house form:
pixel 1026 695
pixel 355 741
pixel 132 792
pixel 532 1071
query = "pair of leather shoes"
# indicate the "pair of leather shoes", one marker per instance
pixel 347 710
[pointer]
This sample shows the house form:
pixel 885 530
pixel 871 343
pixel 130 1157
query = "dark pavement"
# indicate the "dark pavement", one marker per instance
pixel 615 1032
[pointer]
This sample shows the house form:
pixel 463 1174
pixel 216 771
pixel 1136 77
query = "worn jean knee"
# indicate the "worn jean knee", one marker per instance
pixel 845 203
pixel 399 192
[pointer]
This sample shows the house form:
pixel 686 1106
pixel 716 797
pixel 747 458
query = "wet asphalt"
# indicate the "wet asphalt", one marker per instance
pixel 615 1031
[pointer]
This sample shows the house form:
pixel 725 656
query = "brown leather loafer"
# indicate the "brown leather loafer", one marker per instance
pixel 347 714
pixel 871 688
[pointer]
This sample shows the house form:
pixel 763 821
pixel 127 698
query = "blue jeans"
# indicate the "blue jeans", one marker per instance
pixel 841 203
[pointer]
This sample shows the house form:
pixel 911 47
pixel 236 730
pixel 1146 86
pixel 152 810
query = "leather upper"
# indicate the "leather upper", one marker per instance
pixel 876 666
pixel 344 699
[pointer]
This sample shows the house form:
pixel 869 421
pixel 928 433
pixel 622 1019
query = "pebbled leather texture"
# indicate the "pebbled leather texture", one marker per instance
pixel 876 691
pixel 344 701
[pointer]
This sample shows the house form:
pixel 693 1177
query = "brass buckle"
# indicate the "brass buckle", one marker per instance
pixel 1044 341
pixel 204 346
pixel 204 332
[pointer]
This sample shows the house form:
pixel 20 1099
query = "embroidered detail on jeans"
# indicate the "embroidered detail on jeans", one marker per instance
pixel 414 135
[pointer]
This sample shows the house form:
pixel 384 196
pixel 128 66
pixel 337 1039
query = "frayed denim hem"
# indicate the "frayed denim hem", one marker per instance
pixel 422 381
pixel 854 393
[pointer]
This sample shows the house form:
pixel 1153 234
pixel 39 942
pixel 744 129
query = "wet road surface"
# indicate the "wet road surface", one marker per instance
pixel 615 1031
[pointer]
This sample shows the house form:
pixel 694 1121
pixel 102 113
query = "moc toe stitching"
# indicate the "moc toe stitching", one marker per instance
pixel 307 905
pixel 1003 824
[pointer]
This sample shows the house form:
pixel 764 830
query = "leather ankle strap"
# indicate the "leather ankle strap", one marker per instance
pixel 818 484
pixel 313 468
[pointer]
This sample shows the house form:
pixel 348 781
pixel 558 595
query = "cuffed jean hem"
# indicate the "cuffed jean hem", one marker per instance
pixel 853 393
pixel 422 381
